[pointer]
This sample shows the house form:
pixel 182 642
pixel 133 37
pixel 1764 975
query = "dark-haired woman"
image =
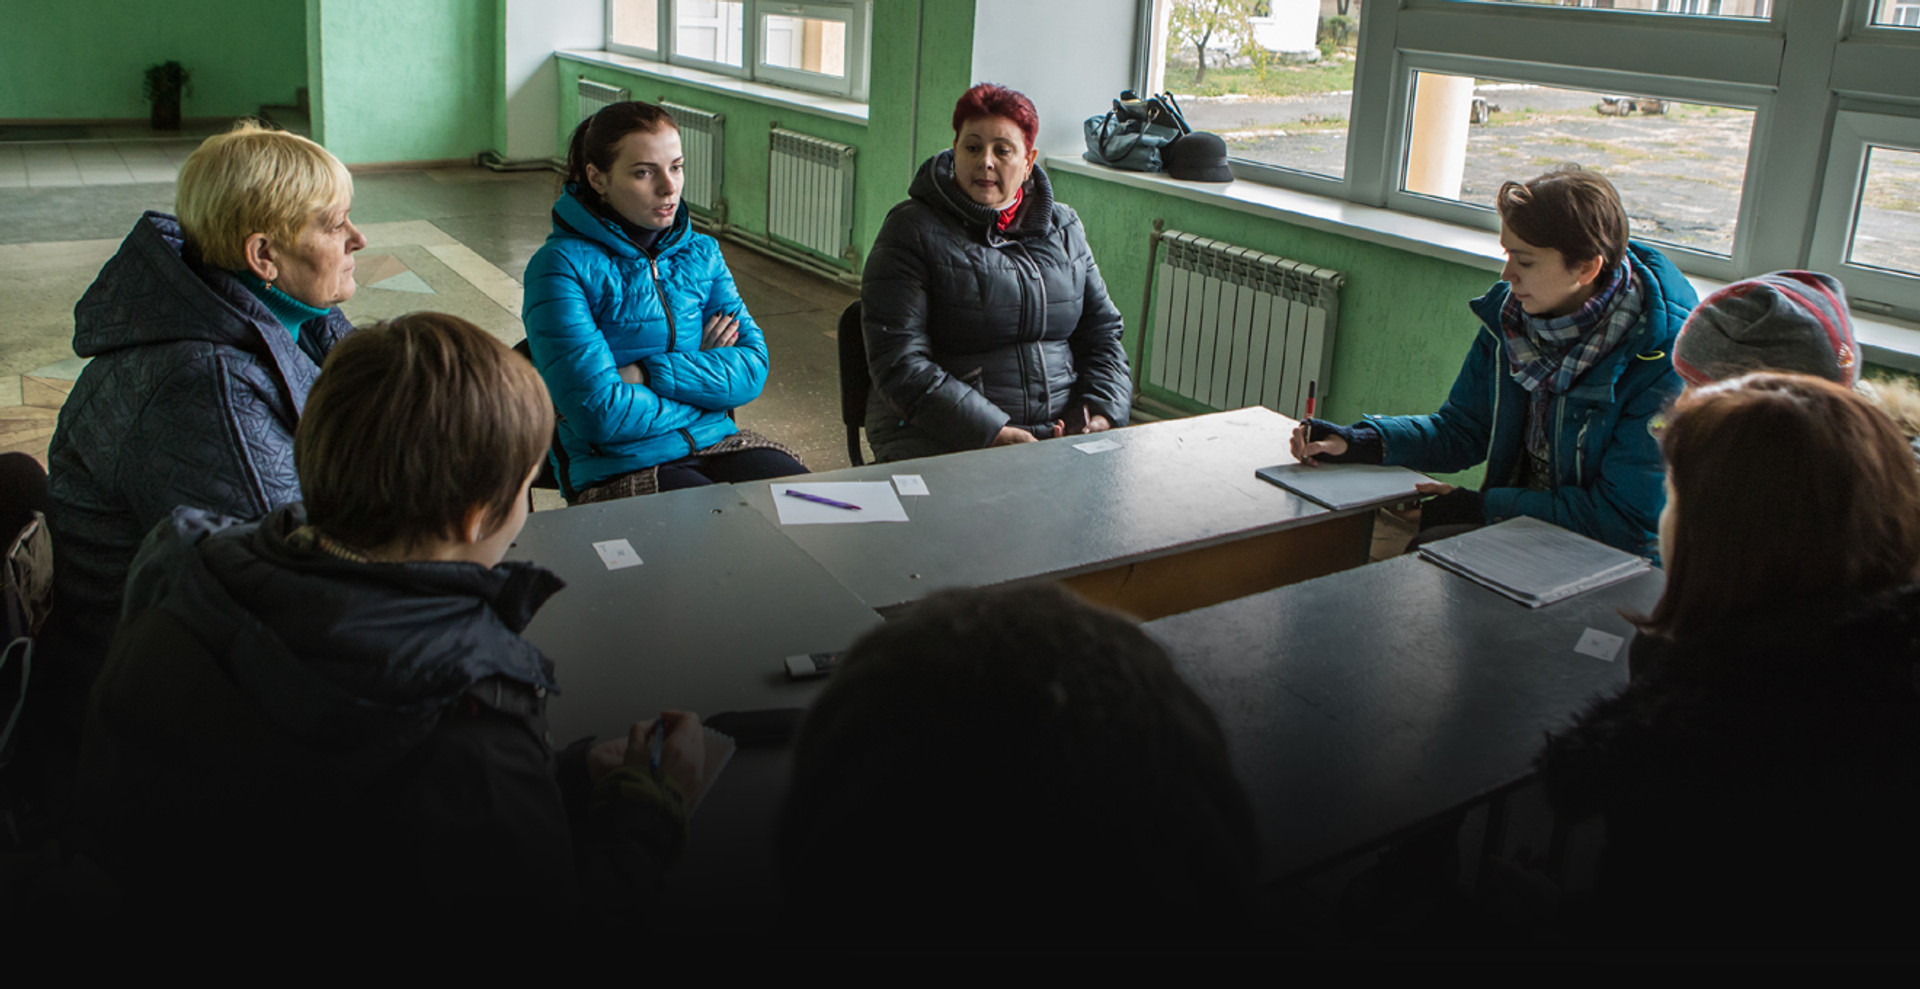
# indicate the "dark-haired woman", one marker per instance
pixel 635 323
pixel 1571 363
pixel 986 319
pixel 1759 779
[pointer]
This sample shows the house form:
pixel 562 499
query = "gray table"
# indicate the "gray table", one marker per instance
pixel 1361 705
pixel 1174 519
pixel 703 624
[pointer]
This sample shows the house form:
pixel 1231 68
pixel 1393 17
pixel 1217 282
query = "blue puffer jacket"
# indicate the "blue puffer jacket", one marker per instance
pixel 1607 464
pixel 596 302
pixel 191 399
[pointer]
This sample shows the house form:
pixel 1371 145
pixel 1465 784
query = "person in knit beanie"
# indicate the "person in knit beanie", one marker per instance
pixel 1780 321
pixel 1787 321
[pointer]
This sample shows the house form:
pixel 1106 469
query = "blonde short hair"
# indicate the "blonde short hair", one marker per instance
pixel 253 180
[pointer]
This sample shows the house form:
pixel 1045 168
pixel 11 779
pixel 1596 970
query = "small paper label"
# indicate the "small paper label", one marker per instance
pixel 617 554
pixel 1097 446
pixel 1599 645
pixel 910 484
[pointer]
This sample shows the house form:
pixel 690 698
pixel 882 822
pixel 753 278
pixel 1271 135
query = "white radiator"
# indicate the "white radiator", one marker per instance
pixel 701 139
pixel 810 194
pixel 1233 327
pixel 595 97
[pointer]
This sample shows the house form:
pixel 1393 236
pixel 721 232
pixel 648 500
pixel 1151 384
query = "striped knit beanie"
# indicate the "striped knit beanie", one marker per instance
pixel 1782 321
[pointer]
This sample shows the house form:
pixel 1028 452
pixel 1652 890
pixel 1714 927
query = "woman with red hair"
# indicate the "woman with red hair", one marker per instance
pixel 985 317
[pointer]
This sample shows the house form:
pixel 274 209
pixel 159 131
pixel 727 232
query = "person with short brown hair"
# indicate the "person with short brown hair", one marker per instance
pixel 331 717
pixel 1759 778
pixel 1571 363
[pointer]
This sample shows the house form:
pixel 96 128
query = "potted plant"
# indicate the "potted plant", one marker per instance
pixel 164 84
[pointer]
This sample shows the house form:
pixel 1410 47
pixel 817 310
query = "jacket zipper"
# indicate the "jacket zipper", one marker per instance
pixel 1494 430
pixel 1580 452
pixel 1559 423
pixel 666 304
pixel 1039 323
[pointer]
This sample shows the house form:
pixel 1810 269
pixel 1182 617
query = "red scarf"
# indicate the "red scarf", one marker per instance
pixel 1006 215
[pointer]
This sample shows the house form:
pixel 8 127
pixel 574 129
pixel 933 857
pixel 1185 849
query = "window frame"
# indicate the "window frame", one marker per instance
pixel 856 14
pixel 1837 57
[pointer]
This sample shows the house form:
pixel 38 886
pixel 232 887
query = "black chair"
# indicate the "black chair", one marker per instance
pixel 855 379
pixel 546 479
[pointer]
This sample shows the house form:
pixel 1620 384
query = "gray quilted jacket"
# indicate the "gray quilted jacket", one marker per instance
pixel 969 329
pixel 191 399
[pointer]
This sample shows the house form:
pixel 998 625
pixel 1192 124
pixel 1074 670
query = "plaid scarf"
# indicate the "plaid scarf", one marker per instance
pixel 1547 354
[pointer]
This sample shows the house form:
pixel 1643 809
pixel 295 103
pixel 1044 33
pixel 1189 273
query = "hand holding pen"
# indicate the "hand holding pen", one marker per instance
pixel 672 746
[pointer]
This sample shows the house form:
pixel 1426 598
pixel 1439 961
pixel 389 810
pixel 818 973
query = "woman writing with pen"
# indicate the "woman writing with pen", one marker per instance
pixel 1569 367
pixel 634 321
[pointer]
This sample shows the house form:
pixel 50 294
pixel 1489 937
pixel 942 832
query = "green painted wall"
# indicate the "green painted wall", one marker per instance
pixel 412 81
pixel 918 48
pixel 1404 323
pixel 83 59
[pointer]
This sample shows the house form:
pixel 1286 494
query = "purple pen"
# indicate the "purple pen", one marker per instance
pixel 816 499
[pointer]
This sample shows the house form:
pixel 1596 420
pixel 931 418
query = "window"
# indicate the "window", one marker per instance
pixel 820 46
pixel 1743 140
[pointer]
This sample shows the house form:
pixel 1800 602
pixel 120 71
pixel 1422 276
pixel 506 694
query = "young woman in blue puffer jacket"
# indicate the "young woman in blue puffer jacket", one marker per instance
pixel 634 321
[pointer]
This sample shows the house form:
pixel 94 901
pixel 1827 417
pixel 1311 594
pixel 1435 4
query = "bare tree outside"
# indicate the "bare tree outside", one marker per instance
pixel 1210 23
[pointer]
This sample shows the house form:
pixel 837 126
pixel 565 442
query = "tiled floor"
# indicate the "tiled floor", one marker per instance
pixel 451 240
pixel 49 158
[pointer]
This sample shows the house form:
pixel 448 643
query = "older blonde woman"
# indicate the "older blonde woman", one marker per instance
pixel 205 331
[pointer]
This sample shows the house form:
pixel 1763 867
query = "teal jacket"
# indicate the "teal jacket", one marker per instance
pixel 1610 479
pixel 595 302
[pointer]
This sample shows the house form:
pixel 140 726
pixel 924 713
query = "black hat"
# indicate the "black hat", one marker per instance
pixel 1197 157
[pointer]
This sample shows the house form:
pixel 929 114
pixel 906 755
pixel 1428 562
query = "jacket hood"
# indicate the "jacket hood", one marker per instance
pixel 934 185
pixel 155 289
pixel 336 652
pixel 1652 337
pixel 572 218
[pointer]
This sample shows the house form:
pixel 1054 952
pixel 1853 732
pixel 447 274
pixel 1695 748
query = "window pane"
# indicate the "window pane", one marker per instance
pixel 1277 87
pixel 636 23
pixel 1886 231
pixel 1754 9
pixel 1897 13
pixel 805 44
pixel 709 30
pixel 1679 166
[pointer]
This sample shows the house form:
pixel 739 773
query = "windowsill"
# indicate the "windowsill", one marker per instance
pixel 1883 340
pixel 714 82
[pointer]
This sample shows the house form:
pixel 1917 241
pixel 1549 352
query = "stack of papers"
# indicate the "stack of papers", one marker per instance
pixel 1343 486
pixel 1533 562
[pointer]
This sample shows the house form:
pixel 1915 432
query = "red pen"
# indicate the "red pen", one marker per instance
pixel 1310 388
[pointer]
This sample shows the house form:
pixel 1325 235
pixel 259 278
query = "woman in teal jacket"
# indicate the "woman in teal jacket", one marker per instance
pixel 634 321
pixel 1571 366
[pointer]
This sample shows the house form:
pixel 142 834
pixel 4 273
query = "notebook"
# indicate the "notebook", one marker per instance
pixel 719 751
pixel 1342 486
pixel 1533 562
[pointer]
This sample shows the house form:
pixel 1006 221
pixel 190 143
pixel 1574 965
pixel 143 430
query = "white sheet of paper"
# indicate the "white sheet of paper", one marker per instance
pixel 1097 446
pixel 1599 645
pixel 876 499
pixel 910 484
pixel 617 554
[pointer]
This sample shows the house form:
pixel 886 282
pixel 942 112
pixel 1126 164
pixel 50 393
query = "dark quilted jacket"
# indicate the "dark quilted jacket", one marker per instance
pixel 347 743
pixel 969 329
pixel 191 399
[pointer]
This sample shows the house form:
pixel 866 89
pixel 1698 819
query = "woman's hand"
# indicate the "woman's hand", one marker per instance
pixel 1306 449
pixel 632 374
pixel 683 756
pixel 1082 420
pixel 1010 435
pixel 723 330
pixel 1433 488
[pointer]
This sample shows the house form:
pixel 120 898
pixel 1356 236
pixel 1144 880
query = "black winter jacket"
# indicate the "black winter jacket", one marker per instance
pixel 280 730
pixel 191 399
pixel 1759 787
pixel 969 329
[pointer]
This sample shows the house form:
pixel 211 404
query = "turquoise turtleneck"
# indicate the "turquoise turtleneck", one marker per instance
pixel 291 312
